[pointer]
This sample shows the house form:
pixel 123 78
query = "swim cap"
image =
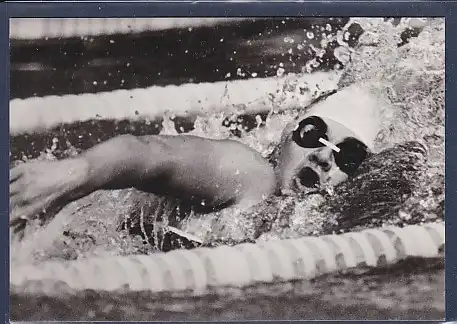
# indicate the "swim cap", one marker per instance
pixel 355 108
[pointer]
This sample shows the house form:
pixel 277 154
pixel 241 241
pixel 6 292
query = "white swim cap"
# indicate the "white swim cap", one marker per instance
pixel 355 108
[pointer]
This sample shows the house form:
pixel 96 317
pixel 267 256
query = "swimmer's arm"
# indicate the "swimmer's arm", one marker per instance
pixel 186 166
pixel 122 162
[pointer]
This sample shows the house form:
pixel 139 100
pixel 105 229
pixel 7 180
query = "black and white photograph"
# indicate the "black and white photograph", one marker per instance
pixel 227 169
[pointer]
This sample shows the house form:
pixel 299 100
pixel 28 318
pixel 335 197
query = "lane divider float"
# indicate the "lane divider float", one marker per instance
pixel 238 266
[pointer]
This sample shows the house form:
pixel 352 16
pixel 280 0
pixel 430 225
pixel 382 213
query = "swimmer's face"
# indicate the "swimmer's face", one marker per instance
pixel 305 164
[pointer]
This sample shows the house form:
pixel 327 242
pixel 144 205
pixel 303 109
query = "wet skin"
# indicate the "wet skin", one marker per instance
pixel 211 174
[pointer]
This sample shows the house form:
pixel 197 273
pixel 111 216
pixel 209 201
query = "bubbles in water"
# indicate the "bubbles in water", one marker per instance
pixel 240 73
pixel 280 72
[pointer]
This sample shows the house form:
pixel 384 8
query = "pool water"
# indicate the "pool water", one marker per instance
pixel 410 76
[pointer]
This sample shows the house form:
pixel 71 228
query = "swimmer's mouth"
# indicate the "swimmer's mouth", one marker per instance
pixel 307 178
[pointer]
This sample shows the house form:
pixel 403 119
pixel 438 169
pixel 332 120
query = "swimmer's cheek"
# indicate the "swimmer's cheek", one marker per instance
pixel 335 177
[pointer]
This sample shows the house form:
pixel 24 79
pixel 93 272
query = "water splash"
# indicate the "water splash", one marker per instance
pixel 410 76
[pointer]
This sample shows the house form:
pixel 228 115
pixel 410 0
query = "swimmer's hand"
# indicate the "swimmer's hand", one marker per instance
pixel 39 187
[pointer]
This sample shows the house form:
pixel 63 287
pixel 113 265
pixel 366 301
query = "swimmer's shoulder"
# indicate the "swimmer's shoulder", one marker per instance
pixel 257 173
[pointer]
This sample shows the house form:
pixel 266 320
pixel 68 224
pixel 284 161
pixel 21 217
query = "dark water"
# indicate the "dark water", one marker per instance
pixel 174 56
pixel 411 290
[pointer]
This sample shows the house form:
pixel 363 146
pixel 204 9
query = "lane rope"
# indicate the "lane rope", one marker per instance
pixel 248 96
pixel 44 28
pixel 241 265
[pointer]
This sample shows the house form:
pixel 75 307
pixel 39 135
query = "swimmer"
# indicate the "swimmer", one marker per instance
pixel 208 174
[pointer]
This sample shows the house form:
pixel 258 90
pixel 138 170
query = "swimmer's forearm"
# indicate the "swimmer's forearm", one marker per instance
pixel 121 162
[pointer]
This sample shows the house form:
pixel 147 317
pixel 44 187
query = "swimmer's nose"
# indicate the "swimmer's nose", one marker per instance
pixel 322 158
pixel 308 178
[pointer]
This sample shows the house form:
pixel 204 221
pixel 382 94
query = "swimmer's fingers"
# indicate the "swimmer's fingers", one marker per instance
pixel 16 173
pixel 22 214
pixel 18 223
pixel 16 180
pixel 18 216
pixel 17 226
pixel 14 188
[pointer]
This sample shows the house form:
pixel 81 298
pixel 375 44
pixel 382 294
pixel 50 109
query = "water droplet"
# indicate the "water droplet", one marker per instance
pixel 280 72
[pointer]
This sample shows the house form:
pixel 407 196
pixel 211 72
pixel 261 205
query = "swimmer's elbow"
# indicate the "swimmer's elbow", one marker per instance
pixel 125 161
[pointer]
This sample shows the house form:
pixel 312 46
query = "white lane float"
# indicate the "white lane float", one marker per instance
pixel 245 96
pixel 237 266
